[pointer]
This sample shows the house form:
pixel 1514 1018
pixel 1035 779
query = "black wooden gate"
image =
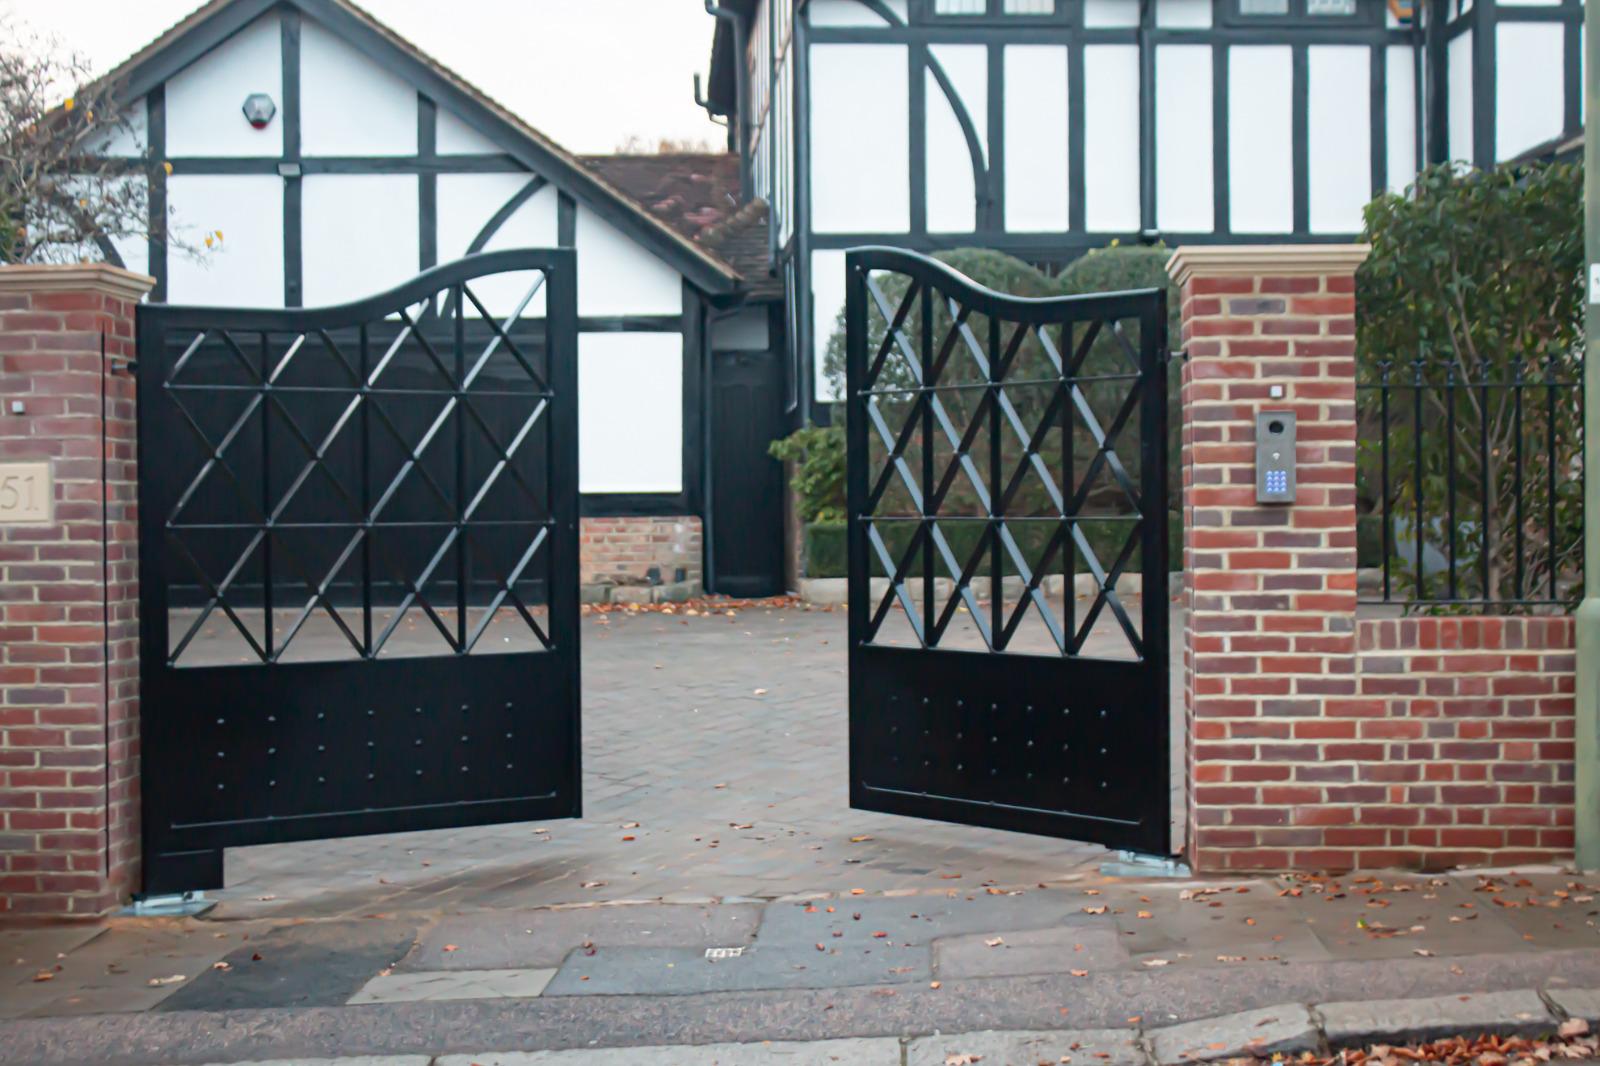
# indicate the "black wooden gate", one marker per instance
pixel 1000 448
pixel 358 564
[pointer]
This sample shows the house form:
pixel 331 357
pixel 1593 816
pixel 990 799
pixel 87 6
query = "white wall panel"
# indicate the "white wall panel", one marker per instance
pixel 1111 137
pixel 349 104
pixel 358 236
pixel 129 139
pixel 827 300
pixel 846 13
pixel 455 137
pixel 1339 136
pixel 618 277
pixel 952 196
pixel 204 100
pixel 1260 136
pixel 1184 198
pixel 630 412
pixel 466 203
pixel 1099 13
pixel 1458 96
pixel 1183 14
pixel 860 115
pixel 1036 138
pixel 246 268
pixel 1401 109
pixel 1530 94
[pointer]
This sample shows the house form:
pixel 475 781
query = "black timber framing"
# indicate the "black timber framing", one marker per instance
pixel 528 151
pixel 427 184
pixel 290 166
pixel 155 111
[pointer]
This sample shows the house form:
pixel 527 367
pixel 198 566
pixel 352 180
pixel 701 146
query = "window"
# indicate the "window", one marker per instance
pixel 1036 8
pixel 1279 12
pixel 1030 7
pixel 960 7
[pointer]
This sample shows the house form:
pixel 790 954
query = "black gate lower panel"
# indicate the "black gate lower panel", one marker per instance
pixel 1000 741
pixel 358 564
pixel 348 748
pixel 1007 504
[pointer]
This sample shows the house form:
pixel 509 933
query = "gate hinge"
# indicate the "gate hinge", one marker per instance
pixel 130 367
pixel 1170 354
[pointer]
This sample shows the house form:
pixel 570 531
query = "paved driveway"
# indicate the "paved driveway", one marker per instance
pixel 724 739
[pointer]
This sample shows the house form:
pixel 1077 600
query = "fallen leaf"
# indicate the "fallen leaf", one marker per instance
pixel 1079 973
pixel 44 975
pixel 993 942
pixel 933 984
pixel 879 935
pixel 450 947
pixel 220 965
pixel 157 982
pixel 1094 910
pixel 1154 962
pixel 760 692
pixel 1146 914
pixel 1424 952
pixel 860 839
pixel 1573 1027
pixel 962 1060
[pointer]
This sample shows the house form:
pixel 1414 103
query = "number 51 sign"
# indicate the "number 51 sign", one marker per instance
pixel 27 493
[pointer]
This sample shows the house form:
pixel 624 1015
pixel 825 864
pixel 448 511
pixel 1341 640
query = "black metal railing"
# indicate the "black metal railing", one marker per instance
pixel 1470 485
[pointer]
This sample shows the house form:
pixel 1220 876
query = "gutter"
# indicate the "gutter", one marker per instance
pixel 741 81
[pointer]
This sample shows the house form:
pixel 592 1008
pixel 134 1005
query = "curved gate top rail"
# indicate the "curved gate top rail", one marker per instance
pixel 358 562
pixel 1007 507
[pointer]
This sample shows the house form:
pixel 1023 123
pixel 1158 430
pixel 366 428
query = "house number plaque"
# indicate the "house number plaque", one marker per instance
pixel 26 493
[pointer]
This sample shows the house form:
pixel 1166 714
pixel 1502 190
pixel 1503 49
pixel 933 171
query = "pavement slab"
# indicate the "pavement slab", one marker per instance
pixel 543 938
pixel 1576 1002
pixel 687 971
pixel 1103 1047
pixel 1028 951
pixel 1391 1021
pixel 452 984
pixel 315 964
pixel 809 1053
pixel 1287 1027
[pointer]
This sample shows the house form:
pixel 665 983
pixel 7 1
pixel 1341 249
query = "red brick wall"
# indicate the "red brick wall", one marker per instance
pixel 622 550
pixel 1458 748
pixel 69 805
pixel 1317 740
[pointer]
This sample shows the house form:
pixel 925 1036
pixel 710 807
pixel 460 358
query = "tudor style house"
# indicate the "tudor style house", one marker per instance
pixel 1048 127
pixel 336 160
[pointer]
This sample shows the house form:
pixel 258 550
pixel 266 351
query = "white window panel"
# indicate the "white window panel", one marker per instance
pixel 1529 85
pixel 951 193
pixel 860 171
pixel 1339 135
pixel 1036 131
pixel 1111 137
pixel 1184 197
pixel 1260 138
pixel 1458 96
pixel 1401 106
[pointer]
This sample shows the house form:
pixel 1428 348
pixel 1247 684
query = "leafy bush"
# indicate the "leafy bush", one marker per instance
pixel 1476 277
pixel 818 481
pixel 827 550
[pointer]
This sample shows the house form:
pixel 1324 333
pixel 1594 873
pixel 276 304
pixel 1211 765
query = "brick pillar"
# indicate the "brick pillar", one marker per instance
pixel 69 647
pixel 1270 648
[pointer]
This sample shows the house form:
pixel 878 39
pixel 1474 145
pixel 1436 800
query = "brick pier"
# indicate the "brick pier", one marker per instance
pixel 69 642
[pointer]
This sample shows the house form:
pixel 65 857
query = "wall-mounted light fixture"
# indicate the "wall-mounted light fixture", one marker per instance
pixel 259 109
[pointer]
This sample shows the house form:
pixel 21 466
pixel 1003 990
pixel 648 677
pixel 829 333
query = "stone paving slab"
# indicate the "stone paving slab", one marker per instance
pixel 112 972
pixel 1287 1028
pixel 686 971
pixel 1519 1012
pixel 917 919
pixel 543 938
pixel 453 984
pixel 1577 1002
pixel 316 964
pixel 1028 951
pixel 1119 1047
pixel 864 1052
pixel 352 1060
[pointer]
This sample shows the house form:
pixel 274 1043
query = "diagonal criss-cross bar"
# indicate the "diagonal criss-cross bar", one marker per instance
pixel 925 412
pixel 262 515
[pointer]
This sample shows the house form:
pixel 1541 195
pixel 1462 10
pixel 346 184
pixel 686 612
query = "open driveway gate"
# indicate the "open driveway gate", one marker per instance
pixel 998 449
pixel 358 564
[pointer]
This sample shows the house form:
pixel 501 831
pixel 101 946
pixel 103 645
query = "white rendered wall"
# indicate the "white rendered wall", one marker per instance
pixel 1401 110
pixel 1036 138
pixel 350 105
pixel 358 235
pixel 1530 92
pixel 951 193
pixel 849 13
pixel 860 115
pixel 466 203
pixel 1101 13
pixel 1183 14
pixel 1458 95
pixel 827 300
pixel 1184 146
pixel 1111 137
pixel 245 268
pixel 630 412
pixel 204 100
pixel 1260 137
pixel 455 137
pixel 617 277
pixel 1339 138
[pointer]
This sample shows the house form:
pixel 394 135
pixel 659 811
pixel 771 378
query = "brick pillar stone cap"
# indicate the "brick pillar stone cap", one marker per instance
pixel 75 277
pixel 1234 260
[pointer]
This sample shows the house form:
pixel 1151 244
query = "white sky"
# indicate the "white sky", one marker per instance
pixel 589 73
